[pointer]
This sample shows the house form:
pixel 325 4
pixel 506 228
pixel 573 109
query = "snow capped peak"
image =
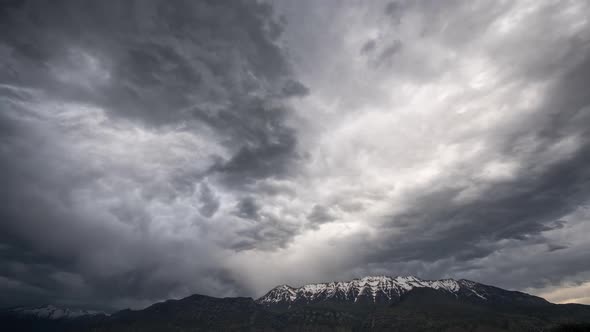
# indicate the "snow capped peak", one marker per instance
pixel 53 312
pixel 284 287
pixel 371 289
pixel 282 293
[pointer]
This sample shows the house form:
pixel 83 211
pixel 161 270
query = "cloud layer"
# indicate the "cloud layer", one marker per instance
pixel 152 149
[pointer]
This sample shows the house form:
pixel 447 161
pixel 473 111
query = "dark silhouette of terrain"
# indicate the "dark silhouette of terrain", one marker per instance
pixel 416 309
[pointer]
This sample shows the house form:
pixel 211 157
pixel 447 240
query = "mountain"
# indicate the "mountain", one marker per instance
pixel 49 318
pixel 50 312
pixel 367 304
pixel 388 290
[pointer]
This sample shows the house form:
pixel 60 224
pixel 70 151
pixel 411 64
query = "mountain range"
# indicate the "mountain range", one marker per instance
pixel 377 303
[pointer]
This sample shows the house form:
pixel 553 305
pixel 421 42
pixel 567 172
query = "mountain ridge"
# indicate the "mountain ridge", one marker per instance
pixel 373 303
pixel 386 290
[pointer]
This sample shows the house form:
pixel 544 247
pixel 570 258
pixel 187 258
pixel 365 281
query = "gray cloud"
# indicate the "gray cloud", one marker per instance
pixel 209 202
pixel 112 115
pixel 247 208
pixel 555 247
pixel 468 218
pixel 497 174
pixel 268 234
pixel 268 146
pixel 320 215
pixel 155 149
pixel 168 64
pixel 512 209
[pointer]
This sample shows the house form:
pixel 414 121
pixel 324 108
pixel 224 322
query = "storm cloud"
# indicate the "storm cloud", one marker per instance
pixel 155 149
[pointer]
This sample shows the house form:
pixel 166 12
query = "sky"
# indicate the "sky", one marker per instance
pixel 155 149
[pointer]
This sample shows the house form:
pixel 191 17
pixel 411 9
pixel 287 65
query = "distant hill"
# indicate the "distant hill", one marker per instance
pixel 367 304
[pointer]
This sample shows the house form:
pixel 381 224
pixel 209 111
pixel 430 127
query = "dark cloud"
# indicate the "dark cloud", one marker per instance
pixel 153 149
pixel 394 9
pixel 267 145
pixel 268 234
pixel 266 231
pixel 112 115
pixel 294 89
pixel 368 46
pixel 163 63
pixel 320 215
pixel 209 201
pixel 555 247
pixel 389 52
pixel 247 208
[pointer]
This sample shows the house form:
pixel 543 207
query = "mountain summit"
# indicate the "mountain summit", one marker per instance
pixel 384 289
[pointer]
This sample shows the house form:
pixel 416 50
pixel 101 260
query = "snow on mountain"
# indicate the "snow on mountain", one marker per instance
pixel 53 312
pixel 378 289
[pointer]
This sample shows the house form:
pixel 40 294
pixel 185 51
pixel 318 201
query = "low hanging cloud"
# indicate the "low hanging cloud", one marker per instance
pixel 155 149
